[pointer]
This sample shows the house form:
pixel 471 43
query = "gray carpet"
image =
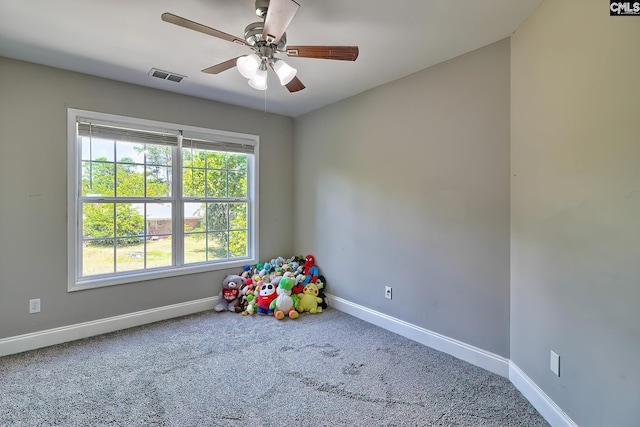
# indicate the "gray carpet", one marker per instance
pixel 223 369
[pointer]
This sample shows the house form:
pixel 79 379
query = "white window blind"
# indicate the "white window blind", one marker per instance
pixel 107 131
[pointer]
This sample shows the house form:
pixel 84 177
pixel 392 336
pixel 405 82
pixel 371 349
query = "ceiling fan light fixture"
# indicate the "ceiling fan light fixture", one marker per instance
pixel 249 65
pixel 266 38
pixel 259 81
pixel 285 72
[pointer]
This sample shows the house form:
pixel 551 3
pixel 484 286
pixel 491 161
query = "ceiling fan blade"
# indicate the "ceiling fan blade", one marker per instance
pixel 223 66
pixel 279 16
pixel 341 53
pixel 295 85
pixel 191 25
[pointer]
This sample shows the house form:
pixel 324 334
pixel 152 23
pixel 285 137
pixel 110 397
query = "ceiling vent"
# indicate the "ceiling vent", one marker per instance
pixel 166 75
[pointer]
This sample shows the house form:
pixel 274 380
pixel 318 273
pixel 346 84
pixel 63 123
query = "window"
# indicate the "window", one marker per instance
pixel 150 200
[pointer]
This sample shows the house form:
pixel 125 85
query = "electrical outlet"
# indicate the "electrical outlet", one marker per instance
pixel 387 292
pixel 554 363
pixel 34 305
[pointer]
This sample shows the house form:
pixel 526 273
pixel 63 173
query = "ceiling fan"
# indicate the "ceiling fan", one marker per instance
pixel 267 38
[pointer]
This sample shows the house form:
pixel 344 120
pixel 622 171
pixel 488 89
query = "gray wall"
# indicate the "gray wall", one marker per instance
pixel 575 193
pixel 33 192
pixel 407 185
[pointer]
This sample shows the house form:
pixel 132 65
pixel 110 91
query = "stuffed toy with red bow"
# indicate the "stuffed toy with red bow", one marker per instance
pixel 230 293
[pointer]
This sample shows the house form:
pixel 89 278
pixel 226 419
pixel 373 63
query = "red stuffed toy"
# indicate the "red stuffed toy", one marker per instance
pixel 266 294
pixel 310 269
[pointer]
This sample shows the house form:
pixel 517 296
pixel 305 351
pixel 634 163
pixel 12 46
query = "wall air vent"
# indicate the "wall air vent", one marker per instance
pixel 166 75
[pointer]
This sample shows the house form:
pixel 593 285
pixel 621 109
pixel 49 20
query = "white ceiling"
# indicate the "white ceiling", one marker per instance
pixel 124 39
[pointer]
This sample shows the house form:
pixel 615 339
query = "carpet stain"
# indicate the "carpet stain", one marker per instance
pixel 333 352
pixel 388 395
pixel 386 350
pixel 339 390
pixel 231 417
pixel 327 350
pixel 352 369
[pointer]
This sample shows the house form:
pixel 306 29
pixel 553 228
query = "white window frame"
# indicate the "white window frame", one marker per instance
pixel 74 233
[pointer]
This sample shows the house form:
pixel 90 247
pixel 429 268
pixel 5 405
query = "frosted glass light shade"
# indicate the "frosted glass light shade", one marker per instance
pixel 285 72
pixel 248 65
pixel 259 81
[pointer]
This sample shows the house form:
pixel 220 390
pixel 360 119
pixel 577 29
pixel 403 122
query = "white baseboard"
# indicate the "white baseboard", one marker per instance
pixel 474 355
pixel 63 334
pixel 538 398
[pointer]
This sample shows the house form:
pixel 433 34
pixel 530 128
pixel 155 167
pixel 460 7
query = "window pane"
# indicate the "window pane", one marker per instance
pixel 97 257
pixel 187 158
pixel 98 220
pixel 159 219
pixel 217 246
pixel 193 158
pixel 193 182
pixel 99 149
pixel 158 155
pixel 129 257
pixel 85 148
pixel 159 252
pixel 129 223
pixel 238 216
pixel 238 162
pixel 194 214
pixel 216 160
pixel 217 217
pixel 195 248
pixel 98 179
pixel 237 243
pixel 130 180
pixel 199 158
pixel 158 181
pixel 216 183
pixel 130 152
pixel 159 228
pixel 237 184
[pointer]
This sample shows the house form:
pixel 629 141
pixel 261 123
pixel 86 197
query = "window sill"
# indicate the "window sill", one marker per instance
pixel 154 274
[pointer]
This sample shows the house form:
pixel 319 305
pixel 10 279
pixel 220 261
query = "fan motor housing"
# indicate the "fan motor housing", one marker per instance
pixel 253 33
pixel 253 36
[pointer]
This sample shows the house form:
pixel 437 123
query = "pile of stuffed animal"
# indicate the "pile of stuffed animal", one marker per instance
pixel 280 288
